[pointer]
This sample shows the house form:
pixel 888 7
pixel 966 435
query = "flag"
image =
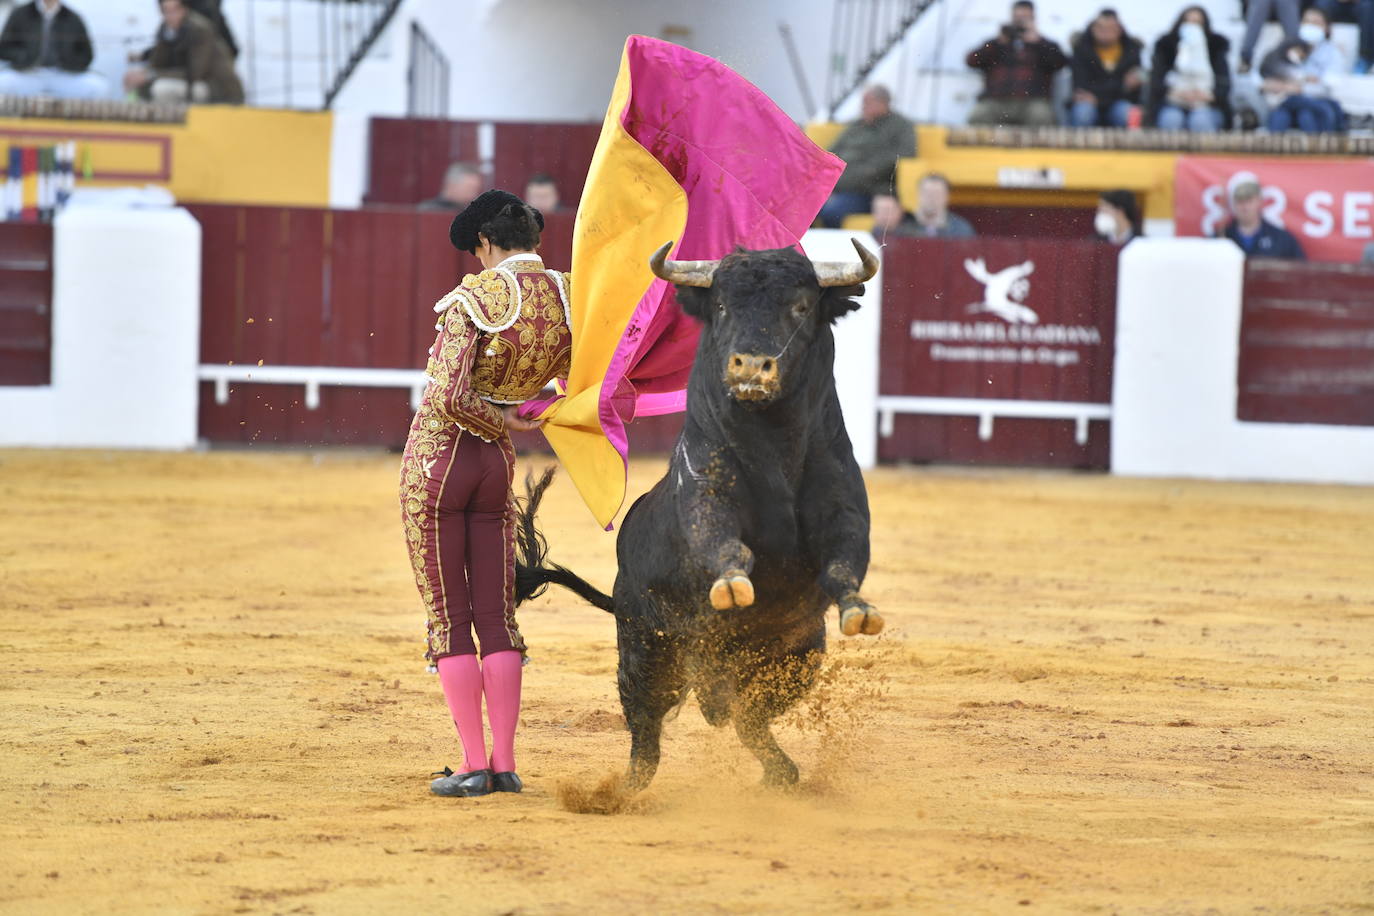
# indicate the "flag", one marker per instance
pixel 689 152
pixel 14 184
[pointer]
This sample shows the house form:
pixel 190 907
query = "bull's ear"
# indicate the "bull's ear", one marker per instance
pixel 694 301
pixel 838 301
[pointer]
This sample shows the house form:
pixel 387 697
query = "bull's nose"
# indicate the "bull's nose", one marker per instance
pixel 751 368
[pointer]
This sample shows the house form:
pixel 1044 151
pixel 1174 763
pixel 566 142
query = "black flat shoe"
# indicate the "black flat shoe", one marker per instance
pixel 462 785
pixel 506 782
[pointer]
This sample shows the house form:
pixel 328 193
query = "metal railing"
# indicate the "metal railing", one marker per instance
pixel 299 53
pixel 862 33
pixel 427 77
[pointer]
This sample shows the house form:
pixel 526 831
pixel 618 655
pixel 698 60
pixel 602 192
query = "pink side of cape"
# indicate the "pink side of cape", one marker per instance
pixel 752 178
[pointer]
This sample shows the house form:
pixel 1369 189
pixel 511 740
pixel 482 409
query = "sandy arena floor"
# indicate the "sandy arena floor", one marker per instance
pixel 1094 696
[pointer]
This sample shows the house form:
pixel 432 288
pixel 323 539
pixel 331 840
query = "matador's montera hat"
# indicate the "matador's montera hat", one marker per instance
pixel 483 209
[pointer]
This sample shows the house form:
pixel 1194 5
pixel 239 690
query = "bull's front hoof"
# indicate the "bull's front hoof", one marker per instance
pixel 861 618
pixel 732 591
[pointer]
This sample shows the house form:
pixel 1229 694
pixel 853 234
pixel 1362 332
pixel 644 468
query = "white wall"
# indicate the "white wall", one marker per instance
pixel 856 341
pixel 553 60
pixel 1174 380
pixel 126 335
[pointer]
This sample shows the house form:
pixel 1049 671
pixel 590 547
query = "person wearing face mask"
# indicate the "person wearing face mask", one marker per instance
pixel 1190 80
pixel 1361 13
pixel 1257 13
pixel 1298 79
pixel 1118 217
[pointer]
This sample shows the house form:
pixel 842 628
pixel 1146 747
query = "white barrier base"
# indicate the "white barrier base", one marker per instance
pixel 1174 382
pixel 312 377
pixel 126 335
pixel 989 409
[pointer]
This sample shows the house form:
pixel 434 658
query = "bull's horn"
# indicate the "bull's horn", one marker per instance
pixel 847 273
pixel 683 273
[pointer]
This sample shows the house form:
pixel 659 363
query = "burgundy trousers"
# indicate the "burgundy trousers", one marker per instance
pixel 459 517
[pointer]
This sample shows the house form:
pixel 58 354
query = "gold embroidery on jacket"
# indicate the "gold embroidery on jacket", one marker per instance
pixel 515 364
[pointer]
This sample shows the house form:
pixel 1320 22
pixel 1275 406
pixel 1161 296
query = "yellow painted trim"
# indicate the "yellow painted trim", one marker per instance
pixel 221 154
pixel 973 172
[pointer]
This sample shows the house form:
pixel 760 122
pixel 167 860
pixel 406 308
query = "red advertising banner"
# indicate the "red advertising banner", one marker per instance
pixel 997 320
pixel 1328 204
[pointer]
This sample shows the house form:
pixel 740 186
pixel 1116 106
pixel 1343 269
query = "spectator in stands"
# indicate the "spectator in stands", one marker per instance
pixel 1190 80
pixel 462 184
pixel 1257 13
pixel 1107 74
pixel 48 53
pixel 188 62
pixel 1018 66
pixel 933 219
pixel 889 219
pixel 1256 236
pixel 211 10
pixel 870 148
pixel 1360 12
pixel 541 193
pixel 1118 217
pixel 1298 76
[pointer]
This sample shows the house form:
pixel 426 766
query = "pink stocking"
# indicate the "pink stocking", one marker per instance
pixel 501 680
pixel 461 679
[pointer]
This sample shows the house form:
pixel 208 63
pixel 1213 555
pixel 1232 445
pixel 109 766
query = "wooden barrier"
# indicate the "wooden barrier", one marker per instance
pixel 409 156
pixel 334 290
pixel 1306 344
pixel 25 303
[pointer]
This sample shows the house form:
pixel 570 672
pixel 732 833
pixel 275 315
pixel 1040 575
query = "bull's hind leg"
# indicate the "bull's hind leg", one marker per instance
pixel 773 689
pixel 651 683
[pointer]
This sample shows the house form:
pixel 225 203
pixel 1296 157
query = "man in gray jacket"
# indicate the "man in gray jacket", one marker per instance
pixel 870 148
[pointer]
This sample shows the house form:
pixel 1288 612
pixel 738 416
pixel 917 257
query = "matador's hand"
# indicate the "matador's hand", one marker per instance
pixel 517 423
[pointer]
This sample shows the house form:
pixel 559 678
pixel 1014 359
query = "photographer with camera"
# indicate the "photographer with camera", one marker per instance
pixel 1018 66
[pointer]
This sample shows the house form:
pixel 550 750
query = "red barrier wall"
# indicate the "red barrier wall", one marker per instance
pixel 25 304
pixel 408 156
pixel 1307 344
pixel 939 340
pixel 343 288
pixel 563 151
pixel 1073 223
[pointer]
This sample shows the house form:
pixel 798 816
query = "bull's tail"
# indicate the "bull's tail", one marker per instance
pixel 533 572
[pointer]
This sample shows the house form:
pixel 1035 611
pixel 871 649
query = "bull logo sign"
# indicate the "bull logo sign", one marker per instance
pixel 1004 292
pixel 1018 337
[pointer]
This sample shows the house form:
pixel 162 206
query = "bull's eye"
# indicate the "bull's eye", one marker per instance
pixel 801 309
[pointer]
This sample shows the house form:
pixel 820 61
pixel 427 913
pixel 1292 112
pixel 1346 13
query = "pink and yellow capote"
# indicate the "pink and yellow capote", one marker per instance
pixel 690 151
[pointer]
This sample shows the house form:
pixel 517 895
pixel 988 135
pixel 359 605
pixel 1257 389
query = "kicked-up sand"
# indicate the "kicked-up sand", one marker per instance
pixel 1094 695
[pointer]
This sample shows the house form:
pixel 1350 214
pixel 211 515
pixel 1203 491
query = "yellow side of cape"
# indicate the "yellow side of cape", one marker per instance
pixel 630 206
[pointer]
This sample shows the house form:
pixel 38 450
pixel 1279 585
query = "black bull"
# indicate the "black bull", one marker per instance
pixel 728 565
